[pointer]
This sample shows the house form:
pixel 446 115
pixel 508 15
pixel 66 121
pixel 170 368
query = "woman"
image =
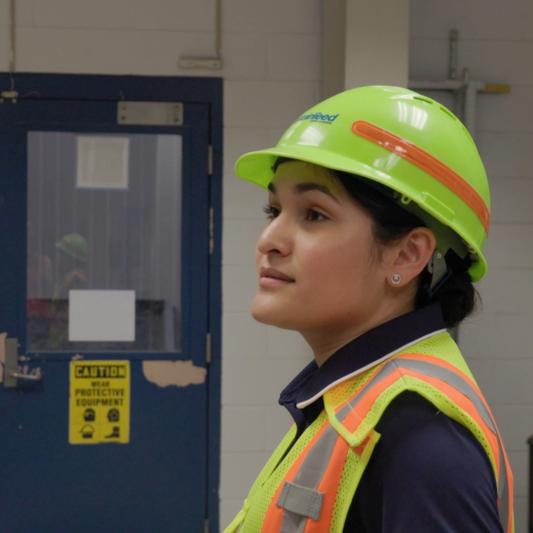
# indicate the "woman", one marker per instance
pixel 378 211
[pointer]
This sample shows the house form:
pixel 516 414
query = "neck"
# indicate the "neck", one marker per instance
pixel 326 341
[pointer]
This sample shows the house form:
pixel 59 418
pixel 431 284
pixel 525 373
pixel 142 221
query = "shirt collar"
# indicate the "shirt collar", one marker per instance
pixel 367 350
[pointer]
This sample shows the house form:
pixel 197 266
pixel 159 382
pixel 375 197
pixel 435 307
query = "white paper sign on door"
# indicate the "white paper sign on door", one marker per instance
pixel 100 316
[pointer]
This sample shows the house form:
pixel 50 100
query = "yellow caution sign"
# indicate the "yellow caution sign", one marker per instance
pixel 99 405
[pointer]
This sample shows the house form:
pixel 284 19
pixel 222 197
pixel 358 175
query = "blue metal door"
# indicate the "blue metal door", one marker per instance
pixel 97 202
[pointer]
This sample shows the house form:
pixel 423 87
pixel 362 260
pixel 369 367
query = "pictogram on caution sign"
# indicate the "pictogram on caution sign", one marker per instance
pixel 99 405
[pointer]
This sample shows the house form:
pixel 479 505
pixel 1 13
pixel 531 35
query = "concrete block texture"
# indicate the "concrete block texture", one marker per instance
pixel 244 201
pixel 476 19
pixel 257 382
pixel 237 141
pixel 23 13
pixel 495 42
pixel 269 104
pixel 237 231
pixel 510 246
pixel 514 422
pixel 294 57
pixel 107 51
pixel 239 284
pixel 489 61
pixel 242 336
pixel 239 469
pixel 228 509
pixel 276 16
pixel 521 514
pixel 506 155
pixel 508 291
pixel 519 464
pixel 159 15
pixel 504 336
pixel 234 439
pixel 511 203
pixel 245 56
pixel 505 381
pixel 512 115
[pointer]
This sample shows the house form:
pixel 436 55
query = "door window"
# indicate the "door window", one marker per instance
pixel 104 241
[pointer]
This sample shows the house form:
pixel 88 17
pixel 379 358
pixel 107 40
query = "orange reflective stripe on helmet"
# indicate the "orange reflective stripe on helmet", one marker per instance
pixel 428 163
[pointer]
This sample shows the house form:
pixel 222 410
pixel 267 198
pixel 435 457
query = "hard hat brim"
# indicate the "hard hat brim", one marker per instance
pixel 257 167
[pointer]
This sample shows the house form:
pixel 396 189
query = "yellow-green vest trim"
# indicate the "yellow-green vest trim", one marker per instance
pixel 311 486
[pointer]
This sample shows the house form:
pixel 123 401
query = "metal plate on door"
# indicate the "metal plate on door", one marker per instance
pixel 150 113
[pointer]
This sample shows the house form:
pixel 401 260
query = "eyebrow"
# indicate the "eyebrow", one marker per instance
pixel 305 187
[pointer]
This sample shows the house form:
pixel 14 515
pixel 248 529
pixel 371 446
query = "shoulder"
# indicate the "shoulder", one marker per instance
pixel 428 473
pixel 418 438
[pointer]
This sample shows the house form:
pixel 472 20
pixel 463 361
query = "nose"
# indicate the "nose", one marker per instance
pixel 276 237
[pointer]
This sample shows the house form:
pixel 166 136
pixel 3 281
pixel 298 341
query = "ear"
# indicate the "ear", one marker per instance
pixel 411 255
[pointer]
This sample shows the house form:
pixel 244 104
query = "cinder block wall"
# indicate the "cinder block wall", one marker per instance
pixel 277 54
pixel 272 65
pixel 496 44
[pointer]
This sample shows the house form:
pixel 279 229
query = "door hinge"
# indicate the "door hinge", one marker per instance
pixel 208 348
pixel 211 230
pixel 206 525
pixel 210 160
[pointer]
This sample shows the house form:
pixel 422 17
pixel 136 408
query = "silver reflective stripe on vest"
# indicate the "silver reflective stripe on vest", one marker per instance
pixel 465 388
pixel 309 475
pixel 294 498
pixel 428 369
pixel 311 472
pixel 301 500
pixel 456 381
pixel 452 379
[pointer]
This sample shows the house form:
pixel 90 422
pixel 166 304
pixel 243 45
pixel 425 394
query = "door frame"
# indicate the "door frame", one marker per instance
pixel 203 90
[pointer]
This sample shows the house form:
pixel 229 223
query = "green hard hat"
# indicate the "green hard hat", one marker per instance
pixel 75 246
pixel 407 142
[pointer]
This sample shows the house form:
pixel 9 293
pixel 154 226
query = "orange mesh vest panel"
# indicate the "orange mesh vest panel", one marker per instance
pixel 310 488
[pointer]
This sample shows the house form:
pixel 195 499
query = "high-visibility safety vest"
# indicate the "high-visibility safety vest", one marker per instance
pixel 310 487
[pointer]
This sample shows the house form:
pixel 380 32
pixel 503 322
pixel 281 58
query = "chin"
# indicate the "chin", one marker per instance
pixel 272 314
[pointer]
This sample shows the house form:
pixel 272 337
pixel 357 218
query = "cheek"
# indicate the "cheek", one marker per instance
pixel 336 262
pixel 339 278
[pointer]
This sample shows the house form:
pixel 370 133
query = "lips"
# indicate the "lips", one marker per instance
pixel 272 273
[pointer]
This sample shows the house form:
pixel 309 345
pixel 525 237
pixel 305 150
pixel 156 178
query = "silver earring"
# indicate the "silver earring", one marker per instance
pixel 396 279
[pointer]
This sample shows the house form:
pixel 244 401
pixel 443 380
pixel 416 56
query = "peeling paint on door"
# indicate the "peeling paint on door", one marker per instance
pixel 176 373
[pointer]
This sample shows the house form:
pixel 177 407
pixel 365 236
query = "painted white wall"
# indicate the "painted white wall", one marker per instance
pixel 272 70
pixel 377 42
pixel 355 53
pixel 496 44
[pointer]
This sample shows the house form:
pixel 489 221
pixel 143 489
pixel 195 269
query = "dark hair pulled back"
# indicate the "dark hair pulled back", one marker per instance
pixel 456 295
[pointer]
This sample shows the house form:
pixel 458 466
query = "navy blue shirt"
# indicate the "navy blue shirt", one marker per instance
pixel 427 473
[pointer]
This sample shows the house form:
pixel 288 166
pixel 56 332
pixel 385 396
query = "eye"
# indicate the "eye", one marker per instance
pixel 271 212
pixel 313 215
